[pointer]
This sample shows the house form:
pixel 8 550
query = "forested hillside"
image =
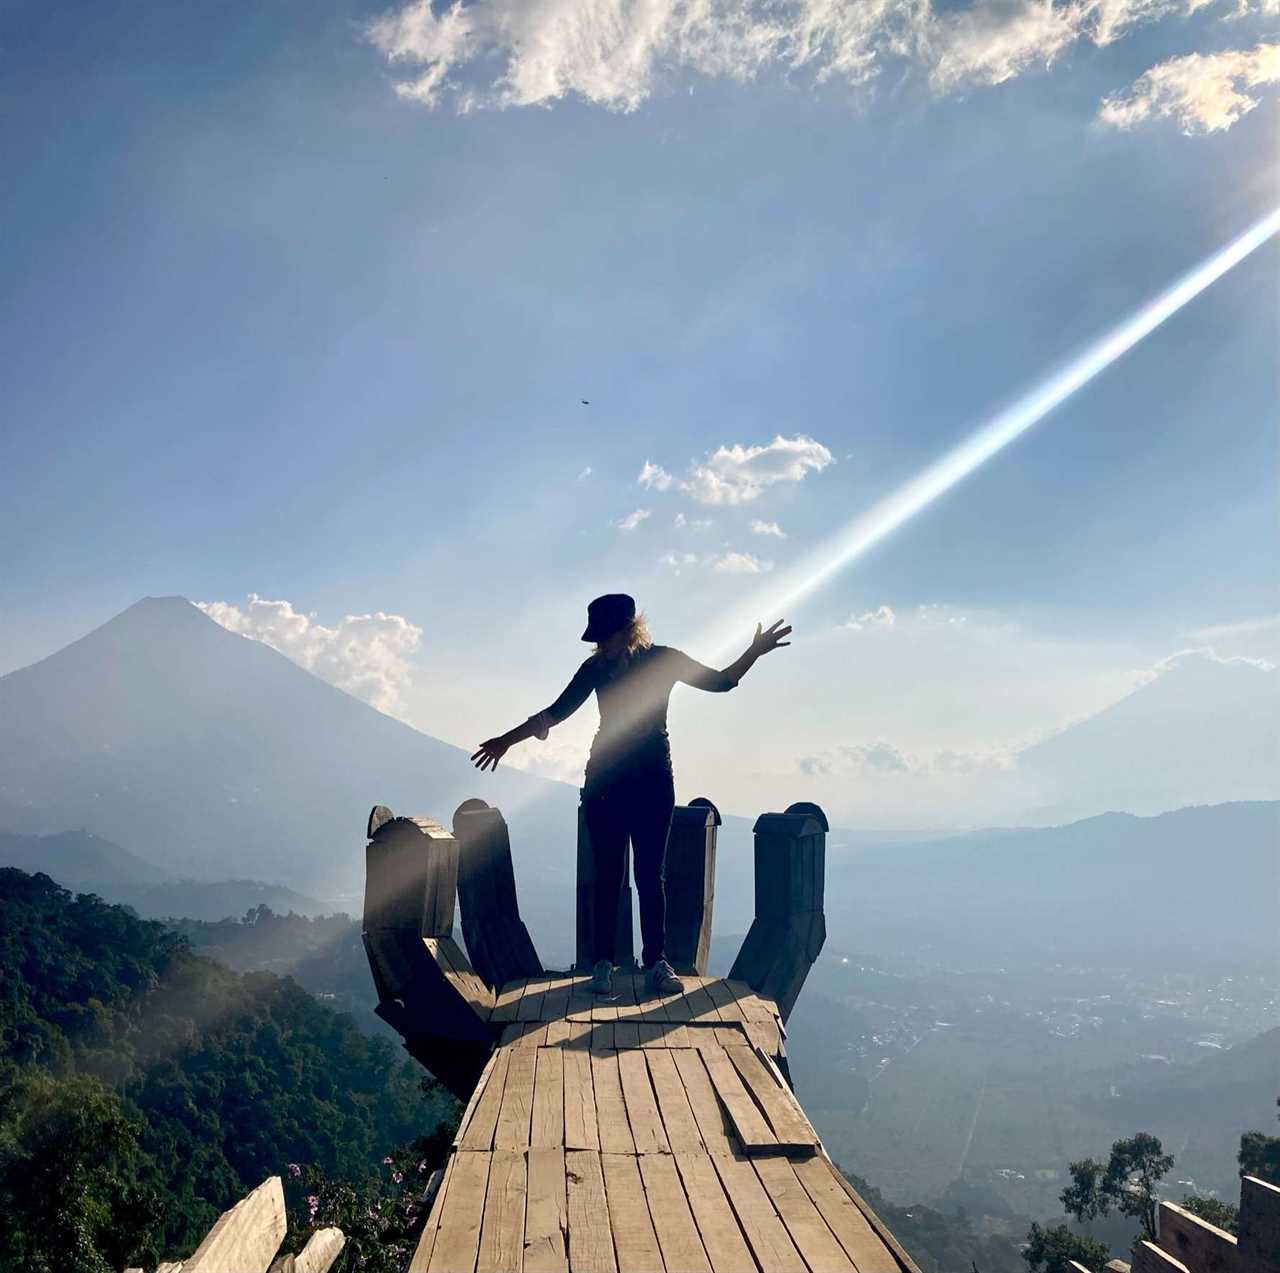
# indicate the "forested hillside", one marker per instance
pixel 146 1088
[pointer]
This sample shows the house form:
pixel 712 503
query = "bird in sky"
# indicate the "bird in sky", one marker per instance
pixel 584 402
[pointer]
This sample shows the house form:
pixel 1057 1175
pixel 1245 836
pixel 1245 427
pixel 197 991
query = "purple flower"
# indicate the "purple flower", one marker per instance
pixel 422 1166
pixel 387 1159
pixel 294 1170
pixel 397 1176
pixel 313 1205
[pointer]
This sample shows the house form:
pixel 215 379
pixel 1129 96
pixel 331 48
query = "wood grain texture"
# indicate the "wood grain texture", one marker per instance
pixel 722 1236
pixel 634 1240
pixel 547 1214
pixel 547 1130
pixel 590 1234
pixel 611 1111
pixel 512 1130
pixel 580 1127
pixel 642 1106
pixel 860 1241
pixel 678 1235
pixel 502 1226
pixel 461 1205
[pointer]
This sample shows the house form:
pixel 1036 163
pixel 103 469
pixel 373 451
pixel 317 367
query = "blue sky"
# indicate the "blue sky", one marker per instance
pixel 273 328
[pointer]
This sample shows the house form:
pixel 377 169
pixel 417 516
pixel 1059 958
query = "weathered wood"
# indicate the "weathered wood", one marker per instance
pixel 790 1127
pixel 722 1236
pixel 245 1237
pixel 477 1133
pixel 516 1111
pixel 1259 1229
pixel 624 949
pixel 710 1115
pixel 548 1129
pixel 547 1214
pixel 642 1107
pixel 611 1110
pixel 1149 1258
pixel 502 1226
pixel 590 1237
pixel 411 877
pixel 1197 1243
pixel 318 1256
pixel 634 1240
pixel 749 1126
pixel 426 1241
pixel 461 1205
pixel 497 939
pixel 580 1128
pixel 804 1222
pixel 765 1232
pixel 673 1102
pixel 675 1226
pixel 789 928
pixel 871 1246
pixel 691 884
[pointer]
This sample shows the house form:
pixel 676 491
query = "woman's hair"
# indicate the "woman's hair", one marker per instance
pixel 638 637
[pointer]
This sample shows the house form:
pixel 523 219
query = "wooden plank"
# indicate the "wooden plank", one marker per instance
pixel 507 1002
pixel 602 1036
pixel 634 1240
pixel 611 1110
pixel 579 1034
pixel 557 1033
pixel 547 1129
pixel 673 1104
pixel 789 1125
pixel 467 1114
pixel 749 1126
pixel 580 1129
pixel 725 1000
pixel 461 1212
pixel 626 1034
pixel 642 1107
pixel 709 1114
pixel 247 1235
pixel 676 1229
pixel 677 1006
pixel 581 1000
pixel 590 1237
pixel 805 1225
pixel 651 1033
pixel 479 1130
pixel 547 1214
pixel 627 988
pixel 702 1007
pixel 861 1242
pixel 754 1007
pixel 765 1232
pixel 722 1237
pixel 531 1002
pixel 525 1034
pixel 512 1130
pixel 426 1242
pixel 502 1226
pixel 555 1002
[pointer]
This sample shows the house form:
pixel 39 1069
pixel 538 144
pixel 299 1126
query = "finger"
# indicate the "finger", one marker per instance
pixel 781 644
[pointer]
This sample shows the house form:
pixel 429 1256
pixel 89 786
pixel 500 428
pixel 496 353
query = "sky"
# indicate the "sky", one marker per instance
pixel 300 306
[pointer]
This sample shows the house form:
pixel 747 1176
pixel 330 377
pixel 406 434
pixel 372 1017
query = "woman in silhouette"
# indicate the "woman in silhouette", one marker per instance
pixel 628 789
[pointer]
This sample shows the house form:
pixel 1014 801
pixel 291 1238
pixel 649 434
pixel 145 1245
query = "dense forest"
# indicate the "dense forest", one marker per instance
pixel 145 1088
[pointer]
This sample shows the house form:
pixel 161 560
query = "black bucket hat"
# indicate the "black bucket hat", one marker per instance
pixel 607 615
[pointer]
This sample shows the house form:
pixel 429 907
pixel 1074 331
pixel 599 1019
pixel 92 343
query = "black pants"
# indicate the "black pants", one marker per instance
pixel 637 803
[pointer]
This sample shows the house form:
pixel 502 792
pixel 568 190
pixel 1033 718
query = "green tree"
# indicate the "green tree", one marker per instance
pixel 1049 1250
pixel 1127 1184
pixel 69 1160
pixel 1260 1156
pixel 1224 1215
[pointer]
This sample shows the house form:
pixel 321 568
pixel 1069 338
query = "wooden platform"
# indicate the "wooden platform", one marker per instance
pixel 639 1134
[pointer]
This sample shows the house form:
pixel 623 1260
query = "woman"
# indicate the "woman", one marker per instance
pixel 629 790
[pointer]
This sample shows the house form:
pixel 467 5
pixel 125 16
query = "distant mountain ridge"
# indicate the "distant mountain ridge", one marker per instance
pixel 195 747
pixel 1204 731
pixel 86 863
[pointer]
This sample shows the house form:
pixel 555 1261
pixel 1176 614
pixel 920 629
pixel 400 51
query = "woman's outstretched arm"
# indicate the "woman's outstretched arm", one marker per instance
pixel 708 678
pixel 492 750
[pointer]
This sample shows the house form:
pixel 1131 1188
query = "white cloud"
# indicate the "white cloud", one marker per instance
pixel 691 523
pixel 738 474
pixel 655 477
pixel 365 654
pixel 633 519
pixel 768 528
pixel 882 617
pixel 586 473
pixel 677 561
pixel 735 563
pixel 1204 93
pixel 1257 639
pixel 616 53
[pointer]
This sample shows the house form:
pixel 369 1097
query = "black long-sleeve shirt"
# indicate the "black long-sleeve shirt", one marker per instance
pixel 633 697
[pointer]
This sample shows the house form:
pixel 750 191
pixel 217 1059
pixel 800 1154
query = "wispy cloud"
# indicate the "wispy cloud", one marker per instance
pixel 586 473
pixel 616 53
pixel 881 617
pixel 735 563
pixel 655 477
pixel 1204 93
pixel 767 528
pixel 633 519
pixel 365 654
pixel 691 523
pixel 678 561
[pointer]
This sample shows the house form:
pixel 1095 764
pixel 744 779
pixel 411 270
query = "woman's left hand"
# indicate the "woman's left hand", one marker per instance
pixel 764 641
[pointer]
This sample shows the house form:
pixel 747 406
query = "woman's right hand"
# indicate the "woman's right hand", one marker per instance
pixel 489 753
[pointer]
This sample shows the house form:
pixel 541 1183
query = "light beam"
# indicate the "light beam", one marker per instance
pixel 867 529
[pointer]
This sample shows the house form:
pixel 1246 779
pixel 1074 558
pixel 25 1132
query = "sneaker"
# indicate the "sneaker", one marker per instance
pixel 602 978
pixel 663 979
